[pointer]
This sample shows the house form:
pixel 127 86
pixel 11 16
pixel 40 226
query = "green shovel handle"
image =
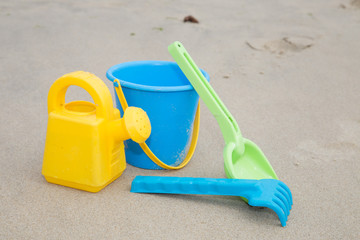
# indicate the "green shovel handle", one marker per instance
pixel 228 125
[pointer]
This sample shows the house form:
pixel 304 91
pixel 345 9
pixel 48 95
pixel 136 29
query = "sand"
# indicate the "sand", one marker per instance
pixel 287 70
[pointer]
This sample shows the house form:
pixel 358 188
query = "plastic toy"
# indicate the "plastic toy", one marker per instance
pixel 269 193
pixel 84 143
pixel 163 91
pixel 243 159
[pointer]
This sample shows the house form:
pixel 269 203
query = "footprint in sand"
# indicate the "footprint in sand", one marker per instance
pixel 355 3
pixel 282 46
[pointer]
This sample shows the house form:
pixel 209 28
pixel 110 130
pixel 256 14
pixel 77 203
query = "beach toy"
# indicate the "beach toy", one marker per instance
pixel 84 142
pixel 243 159
pixel 163 91
pixel 269 193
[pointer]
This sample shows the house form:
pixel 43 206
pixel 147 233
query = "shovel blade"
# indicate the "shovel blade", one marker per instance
pixel 252 164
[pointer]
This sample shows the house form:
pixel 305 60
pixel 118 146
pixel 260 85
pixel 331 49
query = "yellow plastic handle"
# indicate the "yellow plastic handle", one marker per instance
pixel 145 147
pixel 92 84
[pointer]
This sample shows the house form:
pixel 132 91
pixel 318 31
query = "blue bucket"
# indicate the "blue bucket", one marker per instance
pixel 162 90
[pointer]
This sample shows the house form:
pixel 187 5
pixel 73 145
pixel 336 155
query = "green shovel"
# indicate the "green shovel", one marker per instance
pixel 243 159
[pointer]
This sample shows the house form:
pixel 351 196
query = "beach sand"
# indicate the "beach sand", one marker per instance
pixel 288 71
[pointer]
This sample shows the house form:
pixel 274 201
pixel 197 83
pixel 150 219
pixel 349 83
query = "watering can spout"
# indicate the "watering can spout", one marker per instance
pixel 135 125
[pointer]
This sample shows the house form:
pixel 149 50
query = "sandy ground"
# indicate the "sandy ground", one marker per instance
pixel 289 71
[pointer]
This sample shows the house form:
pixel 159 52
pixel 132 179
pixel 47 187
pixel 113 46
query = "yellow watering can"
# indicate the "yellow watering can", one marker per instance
pixel 84 142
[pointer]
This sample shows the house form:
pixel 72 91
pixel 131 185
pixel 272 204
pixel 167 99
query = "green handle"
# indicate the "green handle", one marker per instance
pixel 228 125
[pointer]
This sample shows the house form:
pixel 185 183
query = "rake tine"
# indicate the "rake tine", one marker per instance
pixel 282 207
pixel 285 193
pixel 287 189
pixel 284 201
pixel 278 211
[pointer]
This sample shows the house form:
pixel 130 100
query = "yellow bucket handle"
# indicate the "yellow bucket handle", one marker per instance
pixel 145 147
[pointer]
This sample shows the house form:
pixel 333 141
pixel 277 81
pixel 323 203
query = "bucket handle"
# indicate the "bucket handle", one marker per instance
pixel 145 147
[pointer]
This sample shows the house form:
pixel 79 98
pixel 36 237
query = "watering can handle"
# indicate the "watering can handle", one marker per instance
pixel 146 148
pixel 228 125
pixel 92 84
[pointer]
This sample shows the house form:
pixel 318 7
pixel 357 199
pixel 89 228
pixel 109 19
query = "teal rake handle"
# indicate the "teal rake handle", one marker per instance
pixel 189 185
